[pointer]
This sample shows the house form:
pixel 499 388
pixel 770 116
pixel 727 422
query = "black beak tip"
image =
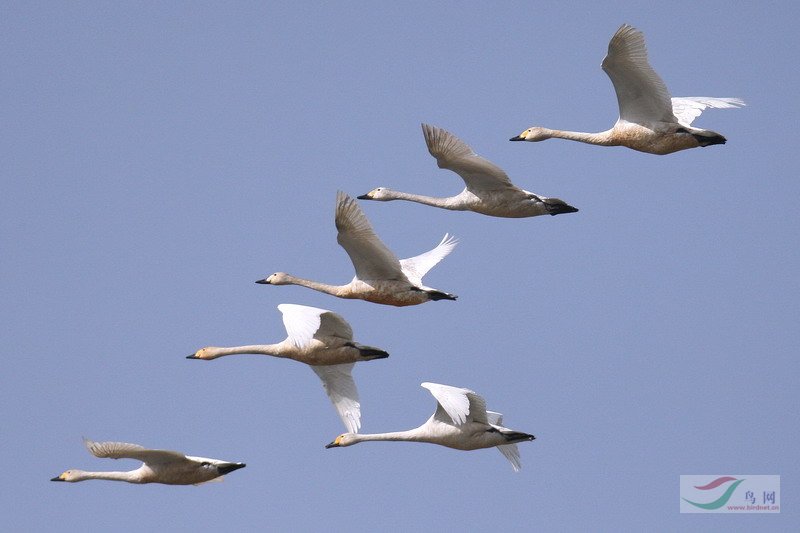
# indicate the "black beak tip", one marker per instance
pixel 56 479
pixel 363 197
pixel 517 138
pixel 263 282
pixel 192 356
pixel 331 445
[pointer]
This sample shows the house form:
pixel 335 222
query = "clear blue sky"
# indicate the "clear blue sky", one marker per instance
pixel 158 158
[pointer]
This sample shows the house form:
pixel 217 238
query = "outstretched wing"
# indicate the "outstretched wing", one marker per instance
pixel 479 174
pixel 641 93
pixel 371 258
pixel 416 267
pixel 304 323
pixel 688 108
pixel 509 451
pixel 125 450
pixel 341 389
pixel 457 405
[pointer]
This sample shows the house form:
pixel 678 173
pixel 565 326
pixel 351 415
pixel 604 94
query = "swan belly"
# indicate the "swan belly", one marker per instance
pixel 659 138
pixel 318 354
pixel 389 292
pixel 468 436
pixel 182 474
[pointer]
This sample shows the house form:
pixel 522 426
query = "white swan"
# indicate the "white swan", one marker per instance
pixel 158 466
pixel 649 120
pixel 461 421
pixel 380 277
pixel 324 341
pixel 488 189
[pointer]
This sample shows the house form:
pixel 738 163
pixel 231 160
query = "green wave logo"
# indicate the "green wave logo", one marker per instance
pixel 722 500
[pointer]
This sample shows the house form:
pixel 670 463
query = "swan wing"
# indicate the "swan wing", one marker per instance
pixel 479 174
pixel 457 405
pixel 494 418
pixel 341 389
pixel 125 450
pixel 371 258
pixel 688 108
pixel 416 267
pixel 304 323
pixel 641 93
pixel 511 452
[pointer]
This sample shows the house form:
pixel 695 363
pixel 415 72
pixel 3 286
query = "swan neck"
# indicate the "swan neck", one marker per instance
pixel 445 203
pixel 411 435
pixel 130 477
pixel 334 290
pixel 261 349
pixel 603 138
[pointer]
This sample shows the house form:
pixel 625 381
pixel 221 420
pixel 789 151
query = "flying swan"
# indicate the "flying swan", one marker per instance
pixel 461 421
pixel 158 466
pixel 380 277
pixel 649 120
pixel 324 341
pixel 488 189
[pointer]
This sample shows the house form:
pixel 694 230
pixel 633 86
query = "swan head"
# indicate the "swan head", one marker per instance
pixel 70 476
pixel 278 278
pixel 345 439
pixel 381 194
pixel 205 354
pixel 534 134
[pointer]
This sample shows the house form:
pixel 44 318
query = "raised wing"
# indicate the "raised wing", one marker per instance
pixel 641 93
pixel 479 174
pixel 304 323
pixel 457 405
pixel 494 418
pixel 416 267
pixel 341 389
pixel 125 450
pixel 371 258
pixel 688 108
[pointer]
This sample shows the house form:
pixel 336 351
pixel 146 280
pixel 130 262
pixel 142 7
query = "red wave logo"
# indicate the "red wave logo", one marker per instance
pixel 716 483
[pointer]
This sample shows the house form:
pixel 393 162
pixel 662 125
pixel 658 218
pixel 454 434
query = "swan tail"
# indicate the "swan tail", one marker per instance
pixel 516 436
pixel 704 137
pixel 369 352
pixel 558 207
pixel 704 140
pixel 439 295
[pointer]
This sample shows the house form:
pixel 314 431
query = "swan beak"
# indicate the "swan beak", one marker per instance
pixel 57 478
pixel 263 282
pixel 364 197
pixel 227 469
pixel 193 356
pixel 333 444
pixel 517 138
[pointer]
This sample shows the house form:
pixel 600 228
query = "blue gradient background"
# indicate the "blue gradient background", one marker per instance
pixel 158 158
